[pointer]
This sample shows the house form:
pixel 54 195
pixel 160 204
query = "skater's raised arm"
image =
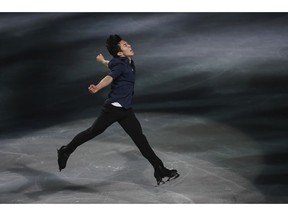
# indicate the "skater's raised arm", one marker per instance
pixel 102 84
pixel 100 58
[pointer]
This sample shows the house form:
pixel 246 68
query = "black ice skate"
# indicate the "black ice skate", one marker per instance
pixel 162 172
pixel 62 158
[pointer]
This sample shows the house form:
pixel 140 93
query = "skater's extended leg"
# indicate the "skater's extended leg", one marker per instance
pixel 133 128
pixel 98 127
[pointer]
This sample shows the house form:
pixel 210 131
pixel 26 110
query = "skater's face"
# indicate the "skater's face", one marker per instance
pixel 126 49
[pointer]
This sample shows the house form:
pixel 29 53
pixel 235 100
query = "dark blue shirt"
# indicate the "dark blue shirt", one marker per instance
pixel 122 86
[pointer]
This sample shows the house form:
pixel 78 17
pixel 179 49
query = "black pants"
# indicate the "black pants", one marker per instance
pixel 128 121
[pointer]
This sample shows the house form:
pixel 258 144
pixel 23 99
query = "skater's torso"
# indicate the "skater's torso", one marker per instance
pixel 122 88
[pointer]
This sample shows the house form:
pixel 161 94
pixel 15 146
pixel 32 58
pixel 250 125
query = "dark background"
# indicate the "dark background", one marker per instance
pixel 228 67
pixel 216 64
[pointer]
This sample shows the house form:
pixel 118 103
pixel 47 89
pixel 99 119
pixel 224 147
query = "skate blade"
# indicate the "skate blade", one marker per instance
pixel 173 177
pixel 160 183
pixel 168 180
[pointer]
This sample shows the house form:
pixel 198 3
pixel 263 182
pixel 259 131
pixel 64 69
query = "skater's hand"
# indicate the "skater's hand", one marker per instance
pixel 100 58
pixel 93 89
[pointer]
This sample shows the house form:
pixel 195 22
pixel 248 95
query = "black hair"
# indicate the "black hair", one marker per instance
pixel 112 44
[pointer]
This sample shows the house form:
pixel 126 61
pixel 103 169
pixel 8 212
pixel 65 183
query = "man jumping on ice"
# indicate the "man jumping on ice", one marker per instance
pixel 118 108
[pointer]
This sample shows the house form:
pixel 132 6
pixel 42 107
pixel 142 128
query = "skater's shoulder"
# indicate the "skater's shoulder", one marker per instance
pixel 119 60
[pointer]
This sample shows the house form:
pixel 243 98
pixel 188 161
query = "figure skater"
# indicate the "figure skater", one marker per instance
pixel 118 108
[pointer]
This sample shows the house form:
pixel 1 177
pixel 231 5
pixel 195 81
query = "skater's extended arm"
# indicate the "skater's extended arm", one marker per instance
pixel 100 58
pixel 102 84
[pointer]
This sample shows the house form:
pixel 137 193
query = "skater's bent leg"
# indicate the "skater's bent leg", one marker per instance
pixel 98 127
pixel 132 127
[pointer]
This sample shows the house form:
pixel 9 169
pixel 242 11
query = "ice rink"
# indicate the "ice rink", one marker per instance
pixel 217 164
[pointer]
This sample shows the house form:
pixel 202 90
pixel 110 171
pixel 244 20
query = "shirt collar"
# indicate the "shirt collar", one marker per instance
pixel 125 59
